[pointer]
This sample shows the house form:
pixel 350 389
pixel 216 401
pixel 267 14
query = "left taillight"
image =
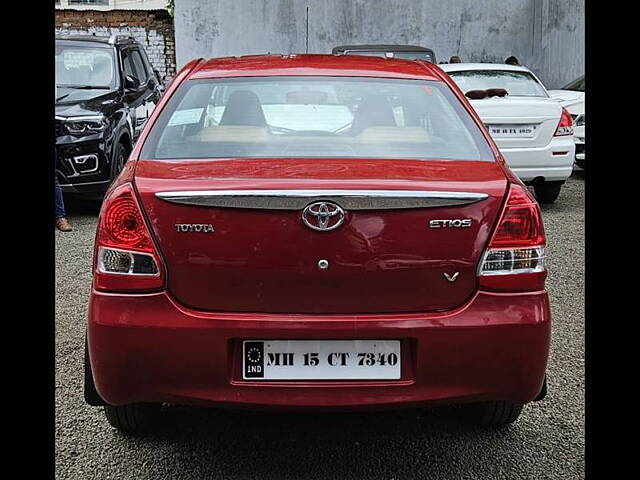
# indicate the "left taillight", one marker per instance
pixel 565 126
pixel 126 258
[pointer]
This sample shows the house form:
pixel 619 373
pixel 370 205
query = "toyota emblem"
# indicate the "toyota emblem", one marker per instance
pixel 323 216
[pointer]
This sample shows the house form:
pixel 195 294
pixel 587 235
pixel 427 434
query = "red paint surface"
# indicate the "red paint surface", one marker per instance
pixel 313 64
pixel 147 348
pixel 266 260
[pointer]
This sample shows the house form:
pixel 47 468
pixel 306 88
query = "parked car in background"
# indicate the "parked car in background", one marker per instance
pixel 106 90
pixel 572 97
pixel 408 52
pixel 533 131
pixel 320 232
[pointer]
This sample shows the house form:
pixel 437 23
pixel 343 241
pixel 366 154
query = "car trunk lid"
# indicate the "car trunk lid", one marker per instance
pixel 258 255
pixel 519 122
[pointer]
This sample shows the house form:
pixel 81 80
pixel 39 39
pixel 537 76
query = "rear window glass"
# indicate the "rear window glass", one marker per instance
pixel 519 84
pixel 577 85
pixel 315 117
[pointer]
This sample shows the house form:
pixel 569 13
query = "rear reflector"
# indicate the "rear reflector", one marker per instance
pixel 126 256
pixel 515 259
pixel 111 260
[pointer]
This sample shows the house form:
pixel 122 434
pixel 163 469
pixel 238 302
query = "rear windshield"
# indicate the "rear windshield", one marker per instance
pixel 577 85
pixel 315 117
pixel 519 84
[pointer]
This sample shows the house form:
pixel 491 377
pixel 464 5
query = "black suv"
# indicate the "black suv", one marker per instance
pixel 106 90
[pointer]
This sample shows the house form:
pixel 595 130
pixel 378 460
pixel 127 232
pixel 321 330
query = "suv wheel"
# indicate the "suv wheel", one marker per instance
pixel 119 159
pixel 134 417
pixel 494 414
pixel 547 192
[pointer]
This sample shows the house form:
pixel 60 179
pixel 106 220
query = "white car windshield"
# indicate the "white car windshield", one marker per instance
pixel 315 117
pixel 516 83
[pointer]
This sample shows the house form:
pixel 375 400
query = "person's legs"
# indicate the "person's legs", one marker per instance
pixel 60 213
pixel 61 222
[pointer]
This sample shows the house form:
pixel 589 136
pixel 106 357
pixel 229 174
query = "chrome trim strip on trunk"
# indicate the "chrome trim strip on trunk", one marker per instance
pixel 298 199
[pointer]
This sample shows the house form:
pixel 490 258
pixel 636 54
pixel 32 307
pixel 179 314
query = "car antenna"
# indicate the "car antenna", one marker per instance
pixel 307 32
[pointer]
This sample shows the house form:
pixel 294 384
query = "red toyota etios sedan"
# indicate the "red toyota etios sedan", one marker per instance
pixel 322 232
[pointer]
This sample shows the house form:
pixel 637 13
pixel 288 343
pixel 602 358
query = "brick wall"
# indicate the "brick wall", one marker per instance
pixel 153 29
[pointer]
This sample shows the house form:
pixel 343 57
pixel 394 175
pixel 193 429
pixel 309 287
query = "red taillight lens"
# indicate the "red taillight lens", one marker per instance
pixel 515 259
pixel 126 259
pixel 565 126
pixel 521 222
pixel 123 224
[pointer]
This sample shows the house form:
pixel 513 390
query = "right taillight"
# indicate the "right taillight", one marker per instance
pixel 515 259
pixel 565 126
pixel 126 258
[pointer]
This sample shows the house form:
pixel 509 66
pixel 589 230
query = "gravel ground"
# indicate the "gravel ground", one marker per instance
pixel 546 442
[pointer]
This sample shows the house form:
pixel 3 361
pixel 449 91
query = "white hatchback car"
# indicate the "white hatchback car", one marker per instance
pixel 533 131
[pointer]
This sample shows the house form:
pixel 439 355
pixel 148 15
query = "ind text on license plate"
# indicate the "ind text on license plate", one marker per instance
pixel 321 359
pixel 514 131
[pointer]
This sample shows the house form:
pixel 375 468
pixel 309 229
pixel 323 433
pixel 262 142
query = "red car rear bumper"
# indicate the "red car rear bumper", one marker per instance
pixel 147 348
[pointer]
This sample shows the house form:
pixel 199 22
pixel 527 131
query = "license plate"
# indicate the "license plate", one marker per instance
pixel 512 131
pixel 321 360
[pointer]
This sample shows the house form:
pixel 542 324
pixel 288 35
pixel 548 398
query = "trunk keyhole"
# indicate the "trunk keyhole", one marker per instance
pixel 323 264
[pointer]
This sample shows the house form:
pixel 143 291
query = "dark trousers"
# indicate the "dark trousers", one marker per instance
pixel 60 213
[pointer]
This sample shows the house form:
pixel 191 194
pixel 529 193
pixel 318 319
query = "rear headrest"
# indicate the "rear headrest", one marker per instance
pixel 373 111
pixel 243 108
pixel 476 94
pixel 497 92
pixel 489 92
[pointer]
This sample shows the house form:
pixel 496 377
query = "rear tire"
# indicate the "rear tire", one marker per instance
pixel 547 192
pixel 134 417
pixel 495 414
pixel 91 395
pixel 120 155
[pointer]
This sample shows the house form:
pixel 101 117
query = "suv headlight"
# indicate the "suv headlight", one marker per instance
pixel 85 125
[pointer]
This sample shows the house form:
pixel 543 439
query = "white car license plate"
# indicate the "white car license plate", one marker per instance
pixel 321 360
pixel 512 131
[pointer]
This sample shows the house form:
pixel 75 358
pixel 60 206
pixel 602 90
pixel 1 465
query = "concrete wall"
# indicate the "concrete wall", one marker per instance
pixel 545 35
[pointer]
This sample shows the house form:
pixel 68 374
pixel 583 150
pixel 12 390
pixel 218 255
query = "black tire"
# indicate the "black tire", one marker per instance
pixel 91 395
pixel 120 156
pixel 495 414
pixel 547 192
pixel 543 390
pixel 134 417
